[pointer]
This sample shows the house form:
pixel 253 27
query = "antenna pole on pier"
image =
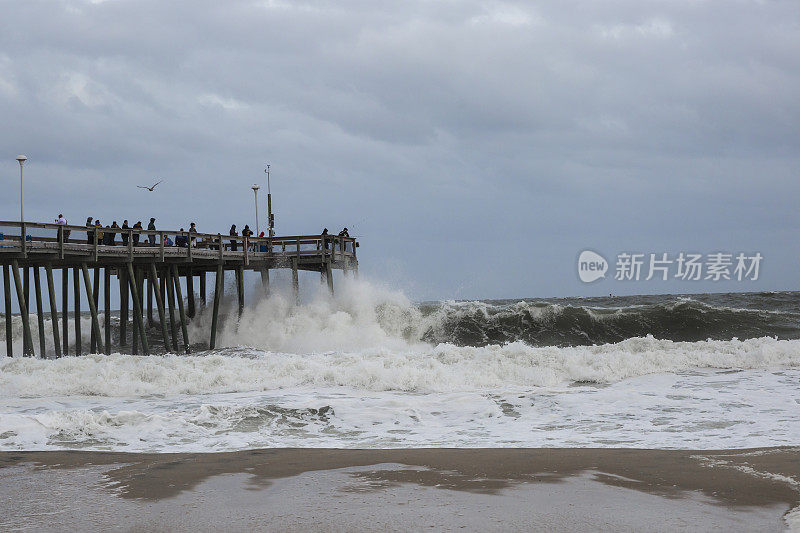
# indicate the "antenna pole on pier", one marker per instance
pixel 271 219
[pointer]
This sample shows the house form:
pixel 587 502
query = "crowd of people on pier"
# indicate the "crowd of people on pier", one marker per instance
pixel 107 235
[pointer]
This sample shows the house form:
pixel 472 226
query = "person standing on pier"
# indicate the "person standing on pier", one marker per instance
pixel 247 232
pixel 98 233
pixel 112 236
pixel 152 226
pixel 89 234
pixel 193 229
pixel 61 221
pixel 125 233
pixel 138 226
pixel 233 233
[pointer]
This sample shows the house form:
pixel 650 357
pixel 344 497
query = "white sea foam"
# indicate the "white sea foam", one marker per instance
pixel 353 372
pixel 442 368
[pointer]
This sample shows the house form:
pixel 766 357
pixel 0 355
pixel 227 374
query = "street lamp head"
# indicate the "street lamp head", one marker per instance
pixel 255 187
pixel 21 158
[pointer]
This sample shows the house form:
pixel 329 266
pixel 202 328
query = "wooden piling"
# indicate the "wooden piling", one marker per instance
pixel 153 279
pixel 202 277
pixel 87 283
pixel 184 330
pixel 27 341
pixel 329 275
pixel 171 304
pixel 240 288
pixel 65 309
pixel 94 343
pixel 26 287
pixel 124 305
pixel 37 287
pixel 26 276
pixel 76 289
pixel 149 304
pixel 134 323
pixel 265 281
pixel 107 305
pixel 51 292
pixel 218 291
pixel 190 312
pixel 142 329
pixel 295 282
pixel 137 308
pixel 7 309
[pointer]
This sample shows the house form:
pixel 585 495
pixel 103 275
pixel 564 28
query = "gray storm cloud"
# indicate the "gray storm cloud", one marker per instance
pixel 476 147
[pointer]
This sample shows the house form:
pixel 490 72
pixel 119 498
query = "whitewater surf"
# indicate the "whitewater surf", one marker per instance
pixel 368 368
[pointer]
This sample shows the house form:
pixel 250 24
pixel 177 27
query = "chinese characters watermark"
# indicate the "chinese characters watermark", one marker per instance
pixel 683 266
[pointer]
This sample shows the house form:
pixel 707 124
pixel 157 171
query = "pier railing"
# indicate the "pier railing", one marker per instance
pixel 139 243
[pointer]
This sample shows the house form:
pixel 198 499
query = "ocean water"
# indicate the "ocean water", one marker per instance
pixel 369 368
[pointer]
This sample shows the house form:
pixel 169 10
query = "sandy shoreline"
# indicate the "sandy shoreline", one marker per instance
pixel 750 487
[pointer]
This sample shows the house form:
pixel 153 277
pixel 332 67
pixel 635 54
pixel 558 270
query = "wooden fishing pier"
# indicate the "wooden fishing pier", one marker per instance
pixel 139 256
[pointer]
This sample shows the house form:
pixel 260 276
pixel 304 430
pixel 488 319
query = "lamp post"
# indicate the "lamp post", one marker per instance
pixel 255 188
pixel 271 219
pixel 21 158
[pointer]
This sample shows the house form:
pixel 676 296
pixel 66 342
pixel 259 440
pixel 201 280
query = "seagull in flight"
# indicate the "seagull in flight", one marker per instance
pixel 149 188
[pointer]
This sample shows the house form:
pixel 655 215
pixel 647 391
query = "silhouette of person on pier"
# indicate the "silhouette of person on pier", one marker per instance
pixel 136 236
pixel 152 236
pixel 89 234
pixel 125 233
pixel 233 233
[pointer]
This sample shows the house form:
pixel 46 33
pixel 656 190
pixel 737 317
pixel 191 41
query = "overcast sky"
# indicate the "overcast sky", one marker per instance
pixel 475 148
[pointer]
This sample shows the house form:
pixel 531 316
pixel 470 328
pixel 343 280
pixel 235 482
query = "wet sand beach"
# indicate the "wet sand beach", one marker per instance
pixel 403 489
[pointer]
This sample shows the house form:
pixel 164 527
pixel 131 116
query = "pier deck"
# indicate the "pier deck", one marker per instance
pixel 137 256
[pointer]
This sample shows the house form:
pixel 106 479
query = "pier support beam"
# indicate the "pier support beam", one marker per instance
pixel 7 308
pixel 51 292
pixel 240 288
pixel 218 291
pixel 107 305
pixel 137 308
pixel 202 277
pixel 171 305
pixel 76 289
pixel 177 279
pixel 37 287
pixel 190 311
pixel 134 324
pixel 65 309
pixel 26 290
pixel 265 281
pixel 142 329
pixel 95 340
pixel 329 275
pixel 87 282
pixel 159 304
pixel 149 304
pixel 124 305
pixel 27 341
pixel 295 282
